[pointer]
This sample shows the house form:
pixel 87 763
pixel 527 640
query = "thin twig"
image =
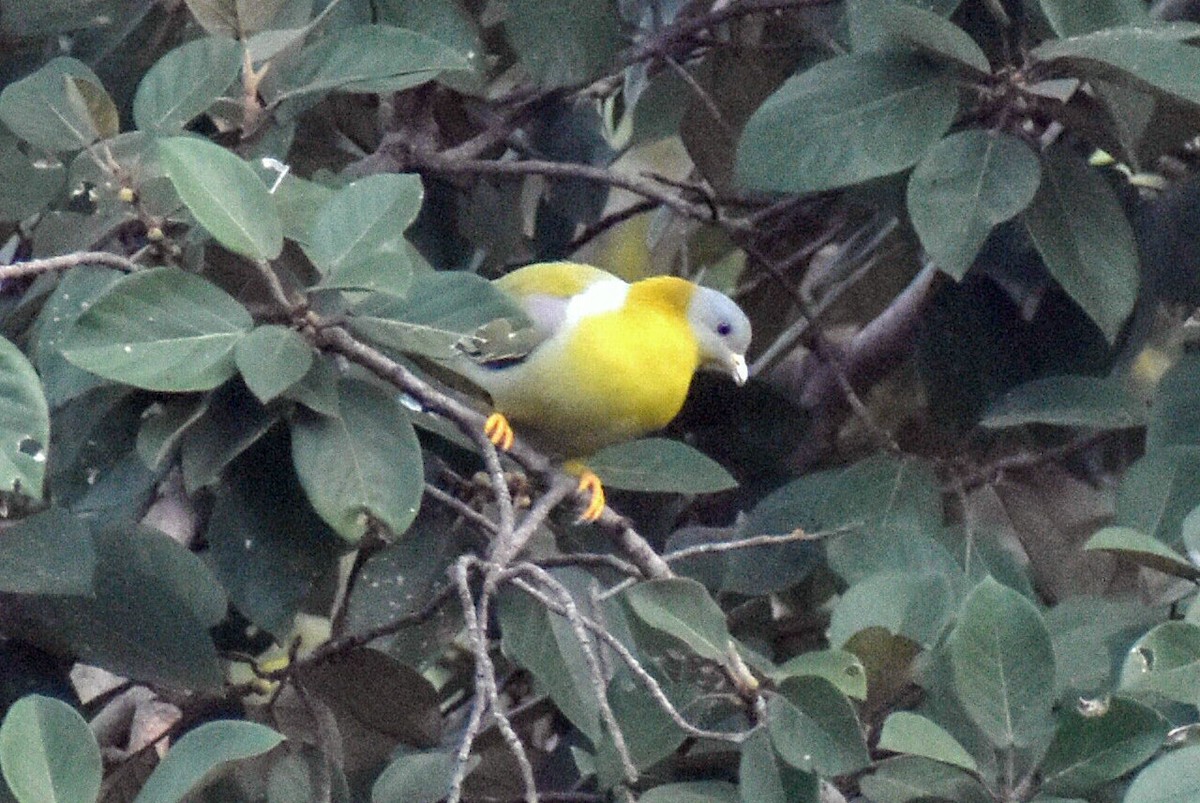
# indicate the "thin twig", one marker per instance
pixel 34 267
pixel 755 541
pixel 461 508
pixel 459 574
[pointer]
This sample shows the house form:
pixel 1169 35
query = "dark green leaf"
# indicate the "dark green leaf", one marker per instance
pixel 906 732
pixel 228 199
pixel 683 608
pixel 153 604
pixel 1090 637
pixel 76 291
pixel 232 421
pixel 1074 17
pixel 366 463
pixel 265 543
pixel 908 24
pixel 415 778
pixel 660 465
pixel 1167 661
pixel 271 359
pixel 914 778
pixel 160 329
pixel 1079 228
pixel 1143 549
pixel 963 187
pixel 218 17
pixel 845 121
pixel 370 58
pixel 565 42
pixel 1003 665
pixel 48 108
pixel 380 694
pixel 24 424
pixel 48 753
pixel 1067 401
pixel 47 553
pixel 1149 58
pixel 1174 777
pixel 1091 749
pixel 184 83
pixel 692 792
pixel 357 238
pixel 202 751
pixel 814 728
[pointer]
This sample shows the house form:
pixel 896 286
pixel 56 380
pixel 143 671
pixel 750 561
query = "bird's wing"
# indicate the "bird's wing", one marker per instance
pixel 543 291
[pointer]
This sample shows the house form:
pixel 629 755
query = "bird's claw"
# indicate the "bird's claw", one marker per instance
pixel 590 484
pixel 499 431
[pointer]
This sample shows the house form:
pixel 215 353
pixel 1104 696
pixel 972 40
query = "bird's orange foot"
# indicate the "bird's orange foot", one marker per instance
pixel 589 483
pixel 499 431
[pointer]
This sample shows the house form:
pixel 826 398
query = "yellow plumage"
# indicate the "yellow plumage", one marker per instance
pixel 609 361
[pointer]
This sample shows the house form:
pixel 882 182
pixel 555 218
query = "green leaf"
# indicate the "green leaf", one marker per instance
pixel 763 779
pixel 1143 549
pixel 232 421
pixel 906 732
pixel 272 358
pixel 914 778
pixel 964 187
pixel 365 463
pixel 76 291
pixel 227 197
pixel 1087 632
pixel 814 728
pixel 184 83
pixel 379 693
pixel 160 329
pixel 1074 17
pixel 370 59
pixel 47 553
pixel 1173 777
pixel 201 752
pixel 48 753
pixel 847 120
pixel 692 792
pixel 24 424
pixel 415 778
pixel 1174 419
pixel 1158 491
pixel 27 183
pixel 1166 660
pixel 908 24
pixel 50 110
pixel 357 238
pixel 1067 401
pixel 683 608
pixel 911 604
pixel 660 465
pixel 843 669
pixel 440 308
pixel 1149 58
pixel 1079 228
pixel 218 17
pixel 1003 665
pixel 148 619
pixel 566 42
pixel 266 544
pixel 1092 749
pixel 544 643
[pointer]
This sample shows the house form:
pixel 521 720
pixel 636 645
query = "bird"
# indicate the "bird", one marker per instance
pixel 599 361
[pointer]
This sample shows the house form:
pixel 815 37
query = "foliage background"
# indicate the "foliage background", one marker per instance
pixel 254 546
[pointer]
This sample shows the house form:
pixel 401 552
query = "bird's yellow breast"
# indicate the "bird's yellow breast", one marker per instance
pixel 619 375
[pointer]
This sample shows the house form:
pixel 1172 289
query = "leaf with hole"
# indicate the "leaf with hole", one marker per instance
pixel 24 424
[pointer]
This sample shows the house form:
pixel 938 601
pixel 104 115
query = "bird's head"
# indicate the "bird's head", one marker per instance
pixel 722 333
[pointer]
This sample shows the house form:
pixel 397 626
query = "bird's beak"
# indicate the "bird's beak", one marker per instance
pixel 738 369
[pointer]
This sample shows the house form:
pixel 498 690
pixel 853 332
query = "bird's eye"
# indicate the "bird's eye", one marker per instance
pixel 724 328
